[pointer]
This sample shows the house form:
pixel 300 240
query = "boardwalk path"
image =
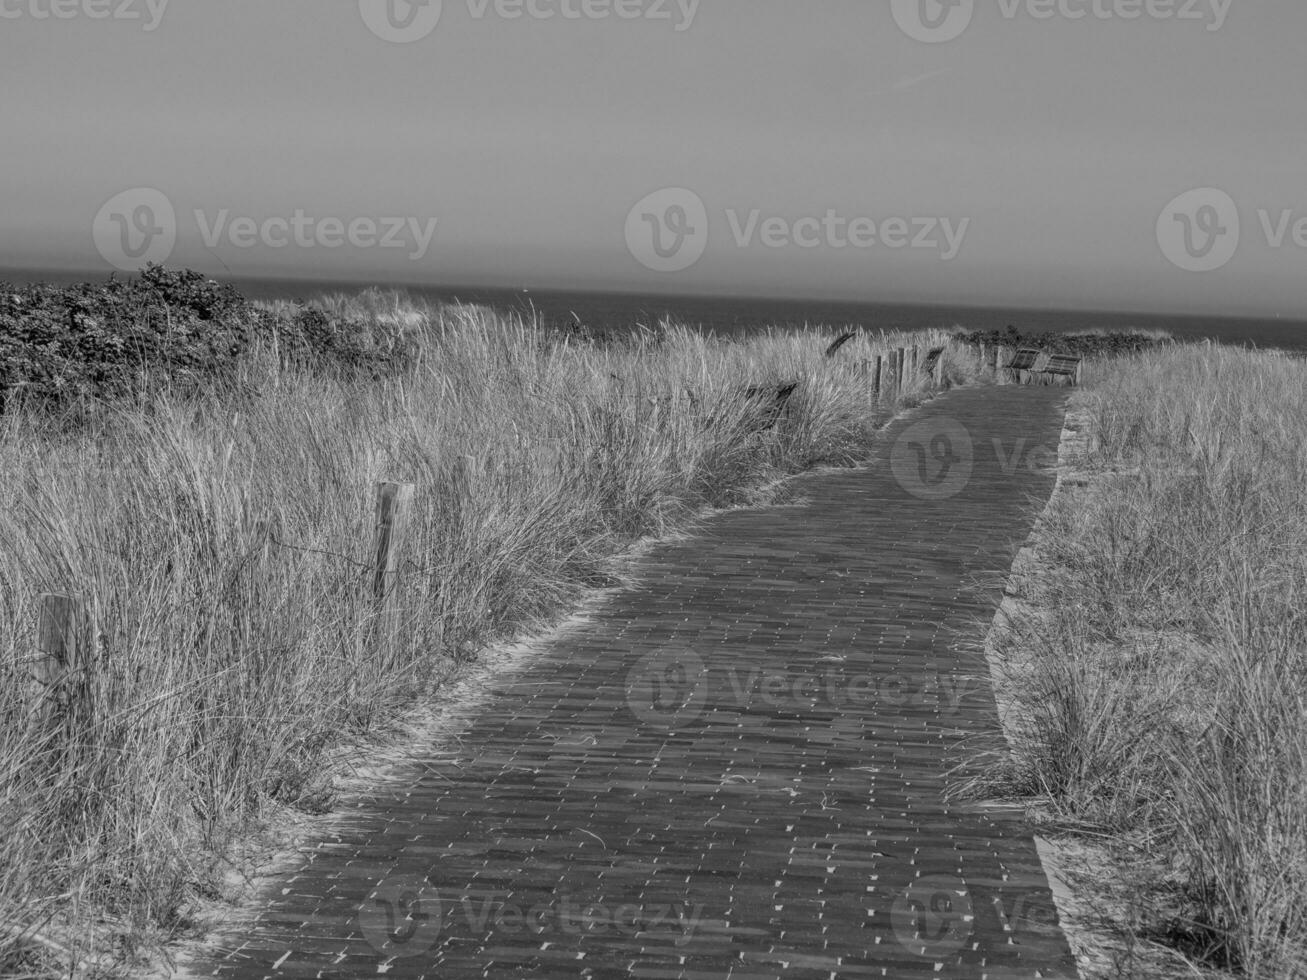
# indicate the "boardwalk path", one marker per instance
pixel 734 769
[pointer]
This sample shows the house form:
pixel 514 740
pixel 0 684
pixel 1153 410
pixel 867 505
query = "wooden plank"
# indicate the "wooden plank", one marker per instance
pixel 394 514
pixel 840 341
pixel 59 639
pixel 394 505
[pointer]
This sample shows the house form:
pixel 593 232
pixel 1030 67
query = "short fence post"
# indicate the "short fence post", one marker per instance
pixel 984 360
pixel 59 645
pixel 939 367
pixel 1000 355
pixel 895 375
pixel 394 513
pixel 876 379
pixel 903 369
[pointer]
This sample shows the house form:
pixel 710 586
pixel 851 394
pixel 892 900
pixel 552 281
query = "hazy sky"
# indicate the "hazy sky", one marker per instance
pixel 1033 158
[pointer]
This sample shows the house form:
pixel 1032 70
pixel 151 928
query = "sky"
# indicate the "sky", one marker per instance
pixel 1141 155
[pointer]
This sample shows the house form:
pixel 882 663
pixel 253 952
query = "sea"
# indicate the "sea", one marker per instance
pixel 738 316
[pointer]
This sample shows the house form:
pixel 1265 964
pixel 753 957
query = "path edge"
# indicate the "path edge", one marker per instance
pixel 1055 855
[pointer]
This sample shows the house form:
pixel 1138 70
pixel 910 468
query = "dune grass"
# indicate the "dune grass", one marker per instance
pixel 220 539
pixel 1161 682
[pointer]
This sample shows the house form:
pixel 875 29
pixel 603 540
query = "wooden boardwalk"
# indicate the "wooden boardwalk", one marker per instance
pixel 736 768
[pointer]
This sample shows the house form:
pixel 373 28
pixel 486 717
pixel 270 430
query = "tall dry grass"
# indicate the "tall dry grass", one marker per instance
pixel 221 539
pixel 1165 699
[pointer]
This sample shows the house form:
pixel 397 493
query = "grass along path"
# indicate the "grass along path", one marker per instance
pixel 1156 665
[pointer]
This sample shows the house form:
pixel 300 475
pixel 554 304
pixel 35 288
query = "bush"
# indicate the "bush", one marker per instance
pixel 1088 343
pixel 91 340
pixel 62 344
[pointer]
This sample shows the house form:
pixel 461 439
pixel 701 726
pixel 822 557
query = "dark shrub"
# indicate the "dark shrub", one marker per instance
pixel 1082 344
pixel 61 344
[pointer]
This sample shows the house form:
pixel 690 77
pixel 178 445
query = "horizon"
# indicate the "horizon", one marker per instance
pixel 1019 155
pixel 314 287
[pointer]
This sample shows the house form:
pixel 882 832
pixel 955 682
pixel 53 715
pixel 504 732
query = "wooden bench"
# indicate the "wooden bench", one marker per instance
pixel 1023 360
pixel 1062 366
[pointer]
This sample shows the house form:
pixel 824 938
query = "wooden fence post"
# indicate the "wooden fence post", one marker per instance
pixel 394 513
pixel 903 369
pixel 876 379
pixel 59 645
pixel 939 367
pixel 895 375
pixel 1000 355
pixel 984 360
